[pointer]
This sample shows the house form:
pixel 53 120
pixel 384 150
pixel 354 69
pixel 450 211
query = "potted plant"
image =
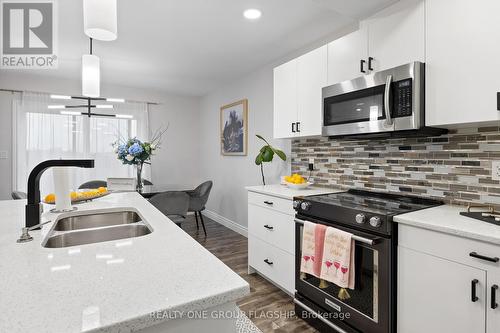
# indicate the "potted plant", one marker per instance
pixel 266 155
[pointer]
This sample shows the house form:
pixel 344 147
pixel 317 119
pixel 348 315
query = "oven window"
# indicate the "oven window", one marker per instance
pixel 353 107
pixel 364 297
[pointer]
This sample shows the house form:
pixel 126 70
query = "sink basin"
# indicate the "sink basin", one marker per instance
pixel 88 221
pixel 97 235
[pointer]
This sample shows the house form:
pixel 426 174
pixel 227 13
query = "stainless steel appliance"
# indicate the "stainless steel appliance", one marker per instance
pixel 387 102
pixel 368 216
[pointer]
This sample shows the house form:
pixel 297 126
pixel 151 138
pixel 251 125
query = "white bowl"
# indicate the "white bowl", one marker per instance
pixel 298 186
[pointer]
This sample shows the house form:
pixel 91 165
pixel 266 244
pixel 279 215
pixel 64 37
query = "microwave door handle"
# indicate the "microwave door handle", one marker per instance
pixel 388 120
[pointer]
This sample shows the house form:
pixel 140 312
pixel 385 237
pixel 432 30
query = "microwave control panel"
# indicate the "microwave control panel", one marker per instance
pixel 402 98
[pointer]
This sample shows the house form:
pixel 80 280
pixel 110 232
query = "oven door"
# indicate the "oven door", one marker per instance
pixel 370 306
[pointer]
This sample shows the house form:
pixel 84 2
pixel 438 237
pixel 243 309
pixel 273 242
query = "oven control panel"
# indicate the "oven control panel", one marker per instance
pixel 402 98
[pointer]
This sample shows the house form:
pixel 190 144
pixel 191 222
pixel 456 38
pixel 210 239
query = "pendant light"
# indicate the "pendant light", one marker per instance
pixel 91 74
pixel 100 19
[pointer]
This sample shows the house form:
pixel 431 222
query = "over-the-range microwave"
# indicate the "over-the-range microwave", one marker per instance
pixel 385 103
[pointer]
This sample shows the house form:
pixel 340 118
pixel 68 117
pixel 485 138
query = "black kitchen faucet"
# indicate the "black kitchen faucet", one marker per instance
pixel 33 207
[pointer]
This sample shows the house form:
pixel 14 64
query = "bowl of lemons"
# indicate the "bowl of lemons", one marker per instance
pixel 80 196
pixel 296 182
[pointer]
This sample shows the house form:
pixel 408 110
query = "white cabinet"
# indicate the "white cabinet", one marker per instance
pixel 345 56
pixel 285 99
pixel 434 295
pixel 438 275
pixel 396 35
pixel 271 239
pixel 462 53
pixel 297 95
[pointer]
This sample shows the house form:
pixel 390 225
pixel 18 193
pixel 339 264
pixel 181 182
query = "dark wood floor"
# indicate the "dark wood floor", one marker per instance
pixel 265 302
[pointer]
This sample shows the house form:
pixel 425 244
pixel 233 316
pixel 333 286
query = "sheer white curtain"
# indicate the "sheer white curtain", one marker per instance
pixel 41 134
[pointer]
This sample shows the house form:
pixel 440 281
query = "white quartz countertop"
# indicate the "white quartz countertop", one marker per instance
pixel 447 219
pixel 106 287
pixel 283 191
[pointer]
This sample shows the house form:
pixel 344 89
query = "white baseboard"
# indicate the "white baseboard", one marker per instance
pixel 226 222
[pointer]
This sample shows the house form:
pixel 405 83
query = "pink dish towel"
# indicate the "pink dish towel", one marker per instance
pixel 338 258
pixel 319 243
pixel 308 248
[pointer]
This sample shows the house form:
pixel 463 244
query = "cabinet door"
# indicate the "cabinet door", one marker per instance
pixel 312 77
pixel 285 99
pixel 462 53
pixel 396 35
pixel 493 313
pixel 434 295
pixel 345 54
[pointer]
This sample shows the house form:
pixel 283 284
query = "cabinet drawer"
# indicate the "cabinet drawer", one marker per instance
pixel 449 247
pixel 280 267
pixel 272 226
pixel 275 203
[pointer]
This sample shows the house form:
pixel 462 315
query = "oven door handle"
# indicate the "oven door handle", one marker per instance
pixel 318 316
pixel 369 241
pixel 387 102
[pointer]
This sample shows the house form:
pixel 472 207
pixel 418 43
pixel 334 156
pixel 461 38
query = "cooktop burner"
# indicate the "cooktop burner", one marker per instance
pixel 374 202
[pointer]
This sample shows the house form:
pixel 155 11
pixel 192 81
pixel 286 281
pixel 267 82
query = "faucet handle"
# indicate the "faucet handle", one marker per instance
pixel 25 235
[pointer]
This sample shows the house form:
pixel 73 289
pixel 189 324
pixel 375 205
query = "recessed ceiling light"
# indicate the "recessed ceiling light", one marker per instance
pixel 252 14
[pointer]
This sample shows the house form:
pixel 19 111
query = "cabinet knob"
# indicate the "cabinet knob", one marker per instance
pixel 494 289
pixel 268 227
pixel 362 66
pixel 293 127
pixel 268 262
pixel 370 59
pixel 473 296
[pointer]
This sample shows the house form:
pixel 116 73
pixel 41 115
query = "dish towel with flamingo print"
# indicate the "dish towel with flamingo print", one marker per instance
pixel 338 260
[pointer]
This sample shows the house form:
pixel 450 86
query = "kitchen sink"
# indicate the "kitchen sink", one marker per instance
pixel 87 221
pixel 95 227
pixel 97 235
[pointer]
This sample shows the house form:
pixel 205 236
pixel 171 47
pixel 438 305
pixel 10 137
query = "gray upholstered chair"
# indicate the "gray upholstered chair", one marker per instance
pixel 197 201
pixel 173 204
pixel 93 184
pixel 18 195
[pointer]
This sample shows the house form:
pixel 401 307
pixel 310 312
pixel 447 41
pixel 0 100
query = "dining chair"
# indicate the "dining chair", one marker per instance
pixel 18 195
pixel 93 184
pixel 173 204
pixel 197 201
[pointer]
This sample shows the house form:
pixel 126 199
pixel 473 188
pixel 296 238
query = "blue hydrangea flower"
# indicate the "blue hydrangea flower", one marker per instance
pixel 122 150
pixel 135 149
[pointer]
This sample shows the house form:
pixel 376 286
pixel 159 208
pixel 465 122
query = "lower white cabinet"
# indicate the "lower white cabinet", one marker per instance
pixel 271 239
pixel 442 288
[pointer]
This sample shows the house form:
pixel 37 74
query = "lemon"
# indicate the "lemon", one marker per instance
pixel 50 198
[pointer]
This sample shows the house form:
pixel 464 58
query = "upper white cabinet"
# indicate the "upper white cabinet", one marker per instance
pixel 347 56
pixel 462 53
pixel 396 35
pixel 297 95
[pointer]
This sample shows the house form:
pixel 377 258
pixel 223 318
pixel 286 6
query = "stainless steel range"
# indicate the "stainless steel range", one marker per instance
pixel 368 216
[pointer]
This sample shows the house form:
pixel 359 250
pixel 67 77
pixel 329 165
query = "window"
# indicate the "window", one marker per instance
pixel 42 134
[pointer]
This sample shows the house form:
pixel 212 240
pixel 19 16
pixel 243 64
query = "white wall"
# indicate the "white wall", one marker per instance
pixel 175 165
pixel 231 174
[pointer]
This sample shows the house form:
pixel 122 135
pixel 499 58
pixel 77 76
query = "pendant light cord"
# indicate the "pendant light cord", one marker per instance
pixel 91 46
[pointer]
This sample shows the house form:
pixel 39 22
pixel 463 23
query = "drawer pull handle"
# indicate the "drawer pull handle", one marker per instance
pixel 473 296
pixel 494 303
pixel 270 203
pixel 268 227
pixel 268 262
pixel 479 256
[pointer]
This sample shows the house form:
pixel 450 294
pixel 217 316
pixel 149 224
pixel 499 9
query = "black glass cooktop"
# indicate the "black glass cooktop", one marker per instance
pixel 375 202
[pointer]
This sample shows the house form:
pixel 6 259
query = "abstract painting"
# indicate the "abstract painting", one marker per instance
pixel 234 131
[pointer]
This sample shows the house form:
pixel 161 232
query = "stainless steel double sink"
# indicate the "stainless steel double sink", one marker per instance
pixel 96 227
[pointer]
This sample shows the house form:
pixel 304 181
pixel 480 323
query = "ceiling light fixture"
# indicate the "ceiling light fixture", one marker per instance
pixel 252 14
pixel 71 113
pixel 104 106
pixel 52 107
pixel 91 74
pixel 115 100
pixel 60 97
pixel 100 19
pixel 124 116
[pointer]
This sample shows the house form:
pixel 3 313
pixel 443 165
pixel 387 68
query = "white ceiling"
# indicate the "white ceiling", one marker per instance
pixel 193 46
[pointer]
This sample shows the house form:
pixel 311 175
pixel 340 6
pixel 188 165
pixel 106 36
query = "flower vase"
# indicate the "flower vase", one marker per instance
pixel 139 186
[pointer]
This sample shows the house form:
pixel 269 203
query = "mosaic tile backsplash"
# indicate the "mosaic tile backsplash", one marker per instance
pixel 455 167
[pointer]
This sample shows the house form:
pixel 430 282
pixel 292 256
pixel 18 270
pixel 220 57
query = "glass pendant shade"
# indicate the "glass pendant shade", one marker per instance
pixel 100 19
pixel 91 76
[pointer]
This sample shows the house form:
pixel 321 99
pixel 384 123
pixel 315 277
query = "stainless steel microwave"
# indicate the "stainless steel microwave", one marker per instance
pixel 384 102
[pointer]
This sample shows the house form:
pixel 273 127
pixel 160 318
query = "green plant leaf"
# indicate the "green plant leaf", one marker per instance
pixel 281 154
pixel 268 154
pixel 258 159
pixel 260 137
